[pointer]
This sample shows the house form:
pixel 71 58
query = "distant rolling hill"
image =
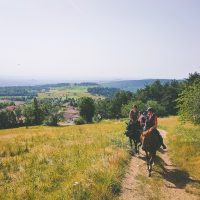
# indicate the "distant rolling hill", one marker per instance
pixel 132 85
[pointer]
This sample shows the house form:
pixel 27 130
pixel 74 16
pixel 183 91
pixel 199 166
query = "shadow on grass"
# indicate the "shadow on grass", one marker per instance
pixel 179 178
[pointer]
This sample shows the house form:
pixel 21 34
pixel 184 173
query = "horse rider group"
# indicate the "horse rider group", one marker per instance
pixel 146 121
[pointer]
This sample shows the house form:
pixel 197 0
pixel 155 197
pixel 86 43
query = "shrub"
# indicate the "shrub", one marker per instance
pixel 79 121
pixel 189 103
pixel 87 108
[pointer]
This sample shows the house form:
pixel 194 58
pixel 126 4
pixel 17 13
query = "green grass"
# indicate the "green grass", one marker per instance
pixel 151 187
pixel 85 162
pixel 70 92
pixel 184 144
pixel 74 162
pixel 184 149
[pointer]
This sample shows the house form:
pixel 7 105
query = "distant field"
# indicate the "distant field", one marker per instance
pixel 17 103
pixel 70 92
pixel 7 99
pixel 73 163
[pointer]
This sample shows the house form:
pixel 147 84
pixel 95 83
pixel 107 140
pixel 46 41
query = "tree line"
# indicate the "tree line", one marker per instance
pixel 102 91
pixel 160 96
pixel 170 98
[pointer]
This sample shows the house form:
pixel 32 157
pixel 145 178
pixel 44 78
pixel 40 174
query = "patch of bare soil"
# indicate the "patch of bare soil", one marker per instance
pixel 167 181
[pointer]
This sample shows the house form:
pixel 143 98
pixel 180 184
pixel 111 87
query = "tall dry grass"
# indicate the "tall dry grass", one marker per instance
pixel 184 144
pixel 74 162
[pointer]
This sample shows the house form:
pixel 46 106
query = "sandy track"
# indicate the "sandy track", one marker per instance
pixel 167 183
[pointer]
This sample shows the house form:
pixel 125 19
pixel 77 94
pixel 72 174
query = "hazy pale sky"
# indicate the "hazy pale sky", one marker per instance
pixel 99 39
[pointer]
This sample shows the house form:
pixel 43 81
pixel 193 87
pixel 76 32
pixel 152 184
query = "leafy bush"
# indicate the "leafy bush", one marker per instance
pixel 87 108
pixel 79 121
pixel 7 119
pixel 189 103
pixel 53 119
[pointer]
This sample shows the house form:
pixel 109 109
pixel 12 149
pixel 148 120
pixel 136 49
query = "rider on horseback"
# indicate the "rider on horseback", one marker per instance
pixel 134 116
pixel 151 125
pixel 133 129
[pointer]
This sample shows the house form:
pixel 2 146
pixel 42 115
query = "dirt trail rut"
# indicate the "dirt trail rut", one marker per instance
pixel 167 181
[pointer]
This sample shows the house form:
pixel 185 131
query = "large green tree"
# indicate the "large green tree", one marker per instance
pixel 189 102
pixel 7 119
pixel 164 94
pixel 37 112
pixel 87 108
pixel 52 111
pixel 120 98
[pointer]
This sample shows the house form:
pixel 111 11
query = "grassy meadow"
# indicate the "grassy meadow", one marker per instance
pixel 83 162
pixel 70 92
pixel 73 162
pixel 184 144
pixel 184 149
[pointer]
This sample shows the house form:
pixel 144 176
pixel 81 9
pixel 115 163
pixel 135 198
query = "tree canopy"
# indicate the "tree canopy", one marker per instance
pixel 87 108
pixel 189 99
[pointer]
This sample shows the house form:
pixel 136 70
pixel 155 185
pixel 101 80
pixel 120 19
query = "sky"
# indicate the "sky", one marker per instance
pixel 99 39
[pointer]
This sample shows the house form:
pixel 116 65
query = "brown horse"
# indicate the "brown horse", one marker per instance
pixel 133 132
pixel 151 144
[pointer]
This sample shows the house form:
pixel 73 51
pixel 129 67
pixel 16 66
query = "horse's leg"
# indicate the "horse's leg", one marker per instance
pixel 138 146
pixel 131 144
pixel 135 143
pixel 139 143
pixel 147 159
pixel 153 157
pixel 152 160
pixel 150 163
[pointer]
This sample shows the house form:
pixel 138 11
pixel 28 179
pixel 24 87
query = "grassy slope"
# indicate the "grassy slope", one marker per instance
pixel 184 144
pixel 74 162
pixel 83 162
pixel 184 148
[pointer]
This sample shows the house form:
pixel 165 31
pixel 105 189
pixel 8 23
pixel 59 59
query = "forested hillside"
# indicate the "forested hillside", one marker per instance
pixel 132 85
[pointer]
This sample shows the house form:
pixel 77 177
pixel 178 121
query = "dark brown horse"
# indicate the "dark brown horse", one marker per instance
pixel 135 138
pixel 151 144
pixel 133 132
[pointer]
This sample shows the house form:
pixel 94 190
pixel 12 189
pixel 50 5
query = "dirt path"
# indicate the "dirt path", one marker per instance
pixel 167 181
